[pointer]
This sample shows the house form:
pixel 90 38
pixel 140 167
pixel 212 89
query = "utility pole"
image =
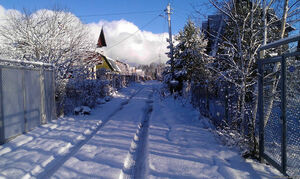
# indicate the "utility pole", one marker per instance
pixel 168 12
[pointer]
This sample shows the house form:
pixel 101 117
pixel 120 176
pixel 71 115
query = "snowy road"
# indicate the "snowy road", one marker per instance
pixel 136 135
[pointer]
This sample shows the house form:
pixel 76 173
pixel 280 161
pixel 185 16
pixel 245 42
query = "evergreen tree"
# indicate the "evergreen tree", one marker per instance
pixel 189 55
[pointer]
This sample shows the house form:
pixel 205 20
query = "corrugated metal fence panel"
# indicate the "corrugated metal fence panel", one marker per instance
pixel 13 106
pixel 23 103
pixel 49 95
pixel 32 98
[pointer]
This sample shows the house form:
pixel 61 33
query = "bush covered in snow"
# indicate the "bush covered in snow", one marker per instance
pixel 84 93
pixel 74 92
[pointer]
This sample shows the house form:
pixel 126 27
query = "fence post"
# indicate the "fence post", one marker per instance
pixel 24 102
pixel 54 111
pixel 261 107
pixel 283 112
pixel 43 97
pixel 2 137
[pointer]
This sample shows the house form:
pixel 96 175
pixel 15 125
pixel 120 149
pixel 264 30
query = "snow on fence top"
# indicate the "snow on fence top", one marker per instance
pixel 28 63
pixel 283 41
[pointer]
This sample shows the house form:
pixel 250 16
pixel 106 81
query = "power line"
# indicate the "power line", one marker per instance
pixel 110 14
pixel 118 43
pixel 120 13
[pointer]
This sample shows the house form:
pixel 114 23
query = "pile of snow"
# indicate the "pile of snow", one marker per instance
pixel 174 82
pixel 180 73
pixel 100 101
pixel 206 123
pixel 231 138
pixel 85 110
pixel 107 98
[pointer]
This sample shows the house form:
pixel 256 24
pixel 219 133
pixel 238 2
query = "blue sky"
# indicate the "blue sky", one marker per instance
pixel 94 10
pixel 128 32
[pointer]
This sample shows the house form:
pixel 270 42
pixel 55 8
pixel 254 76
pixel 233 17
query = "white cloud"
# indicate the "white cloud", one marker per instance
pixel 141 48
pixel 5 12
pixel 2 11
pixel 4 15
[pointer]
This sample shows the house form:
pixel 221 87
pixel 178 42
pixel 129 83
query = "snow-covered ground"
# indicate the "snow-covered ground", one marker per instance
pixel 138 134
pixel 182 146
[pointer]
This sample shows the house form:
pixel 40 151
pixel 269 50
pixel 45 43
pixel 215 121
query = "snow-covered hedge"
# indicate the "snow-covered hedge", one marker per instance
pixel 84 92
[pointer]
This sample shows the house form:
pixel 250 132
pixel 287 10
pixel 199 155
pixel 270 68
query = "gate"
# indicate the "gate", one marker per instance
pixel 279 106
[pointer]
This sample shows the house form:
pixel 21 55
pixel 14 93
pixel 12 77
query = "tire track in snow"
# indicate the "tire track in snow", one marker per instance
pixel 136 162
pixel 168 133
pixel 163 106
pixel 55 164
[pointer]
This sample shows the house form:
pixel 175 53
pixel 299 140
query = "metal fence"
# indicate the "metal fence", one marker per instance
pixel 217 102
pixel 279 108
pixel 26 97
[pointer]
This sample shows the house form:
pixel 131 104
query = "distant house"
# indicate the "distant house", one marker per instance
pixel 132 70
pixel 213 29
pixel 93 60
pixel 108 64
pixel 140 72
pixel 124 67
pixel 99 62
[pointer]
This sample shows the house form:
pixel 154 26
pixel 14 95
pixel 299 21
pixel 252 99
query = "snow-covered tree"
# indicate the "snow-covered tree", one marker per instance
pixel 236 59
pixel 190 53
pixel 56 37
pixel 237 55
pixel 153 70
pixel 189 56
